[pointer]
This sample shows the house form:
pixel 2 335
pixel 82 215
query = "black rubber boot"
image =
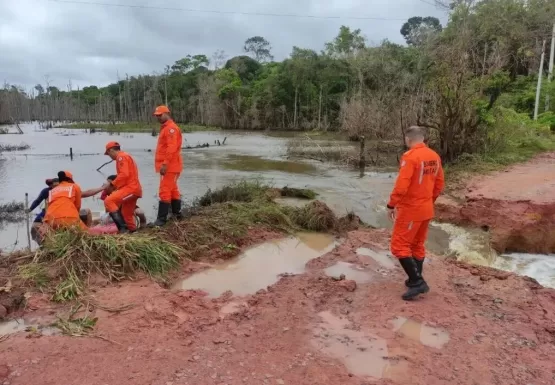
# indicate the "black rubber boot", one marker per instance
pixel 419 266
pixel 416 284
pixel 163 210
pixel 176 209
pixel 120 223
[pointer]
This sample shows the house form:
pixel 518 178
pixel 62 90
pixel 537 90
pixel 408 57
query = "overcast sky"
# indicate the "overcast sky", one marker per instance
pixel 90 43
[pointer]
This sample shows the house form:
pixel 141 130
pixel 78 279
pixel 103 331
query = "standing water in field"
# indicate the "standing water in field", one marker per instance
pixel 246 155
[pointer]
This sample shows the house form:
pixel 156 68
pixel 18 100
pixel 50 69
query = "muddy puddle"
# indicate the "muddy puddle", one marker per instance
pixel 260 266
pixel 420 332
pixel 363 354
pixel 384 259
pixel 350 271
pixel 21 325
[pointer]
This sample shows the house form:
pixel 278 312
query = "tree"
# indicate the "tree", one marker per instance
pixel 245 66
pixel 347 43
pixel 218 59
pixel 259 47
pixel 417 30
pixel 190 63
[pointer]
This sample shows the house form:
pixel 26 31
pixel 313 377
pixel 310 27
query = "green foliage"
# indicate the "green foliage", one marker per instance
pixel 417 30
pixel 259 47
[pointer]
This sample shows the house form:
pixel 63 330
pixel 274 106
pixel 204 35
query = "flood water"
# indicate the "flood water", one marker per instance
pixel 245 155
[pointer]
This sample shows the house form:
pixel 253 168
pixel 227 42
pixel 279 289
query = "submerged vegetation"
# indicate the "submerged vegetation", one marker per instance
pixel 12 212
pixel 13 147
pixel 218 222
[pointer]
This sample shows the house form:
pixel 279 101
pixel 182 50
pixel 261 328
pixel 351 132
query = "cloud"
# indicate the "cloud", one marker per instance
pixel 91 44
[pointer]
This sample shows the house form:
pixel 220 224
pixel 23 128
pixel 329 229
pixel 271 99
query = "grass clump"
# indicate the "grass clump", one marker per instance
pixel 75 255
pixel 222 217
pixel 298 193
pixel 315 216
pixel 34 273
pixel 243 191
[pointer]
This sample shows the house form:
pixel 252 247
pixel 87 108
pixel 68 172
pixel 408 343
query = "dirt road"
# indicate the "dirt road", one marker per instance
pixel 517 205
pixel 476 326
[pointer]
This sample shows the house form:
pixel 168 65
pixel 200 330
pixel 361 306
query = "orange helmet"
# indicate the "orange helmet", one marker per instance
pixel 161 110
pixel 110 145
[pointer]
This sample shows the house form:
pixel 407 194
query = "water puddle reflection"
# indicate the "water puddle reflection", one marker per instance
pixel 350 271
pixel 380 257
pixel 20 325
pixel 420 332
pixel 260 266
pixel 362 354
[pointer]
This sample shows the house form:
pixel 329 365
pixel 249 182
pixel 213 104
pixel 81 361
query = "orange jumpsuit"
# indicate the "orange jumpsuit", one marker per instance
pixel 128 190
pixel 418 185
pixel 64 203
pixel 168 152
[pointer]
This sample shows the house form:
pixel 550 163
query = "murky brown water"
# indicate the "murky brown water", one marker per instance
pixel 245 155
pixel 260 266
pixel 350 271
pixel 362 353
pixel 421 332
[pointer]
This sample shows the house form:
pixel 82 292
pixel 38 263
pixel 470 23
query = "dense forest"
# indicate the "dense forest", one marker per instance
pixel 472 82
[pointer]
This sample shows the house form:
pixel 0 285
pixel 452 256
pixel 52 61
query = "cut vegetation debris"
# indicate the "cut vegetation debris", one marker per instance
pixel 12 212
pixel 220 218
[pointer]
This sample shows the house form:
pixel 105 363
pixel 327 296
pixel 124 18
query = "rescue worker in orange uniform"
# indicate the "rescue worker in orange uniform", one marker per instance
pixel 411 207
pixel 128 189
pixel 64 203
pixel 169 163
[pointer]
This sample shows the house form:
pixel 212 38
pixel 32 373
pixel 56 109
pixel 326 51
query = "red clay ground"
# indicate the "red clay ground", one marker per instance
pixel 517 205
pixel 306 329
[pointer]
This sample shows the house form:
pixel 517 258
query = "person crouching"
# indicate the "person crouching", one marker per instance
pixel 127 189
pixel 64 203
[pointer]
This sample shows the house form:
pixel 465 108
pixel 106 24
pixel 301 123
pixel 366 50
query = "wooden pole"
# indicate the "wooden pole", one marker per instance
pixel 27 221
pixel 539 87
pixel 362 157
pixel 551 60
pixel 71 153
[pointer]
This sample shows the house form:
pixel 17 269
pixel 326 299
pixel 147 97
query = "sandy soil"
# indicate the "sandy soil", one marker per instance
pixel 476 326
pixel 517 205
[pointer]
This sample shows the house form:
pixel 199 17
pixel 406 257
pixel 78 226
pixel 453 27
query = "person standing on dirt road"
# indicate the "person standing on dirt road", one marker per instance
pixel 169 163
pixel 411 207
pixel 122 202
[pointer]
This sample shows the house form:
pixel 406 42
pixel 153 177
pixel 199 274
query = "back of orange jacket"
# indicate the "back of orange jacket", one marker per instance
pixel 64 202
pixel 127 175
pixel 168 150
pixel 418 185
